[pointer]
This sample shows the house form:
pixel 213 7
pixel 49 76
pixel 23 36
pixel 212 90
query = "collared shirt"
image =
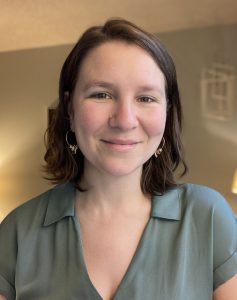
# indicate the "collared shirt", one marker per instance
pixel 188 248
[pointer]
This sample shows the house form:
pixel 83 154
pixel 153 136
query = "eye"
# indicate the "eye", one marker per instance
pixel 147 99
pixel 101 95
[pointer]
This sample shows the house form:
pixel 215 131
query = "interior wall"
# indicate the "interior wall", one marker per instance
pixel 211 145
pixel 29 83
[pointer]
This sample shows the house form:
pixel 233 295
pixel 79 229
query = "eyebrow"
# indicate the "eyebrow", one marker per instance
pixel 111 86
pixel 151 88
pixel 103 84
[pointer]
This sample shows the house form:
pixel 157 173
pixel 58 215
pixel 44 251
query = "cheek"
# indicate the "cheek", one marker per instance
pixel 86 119
pixel 155 123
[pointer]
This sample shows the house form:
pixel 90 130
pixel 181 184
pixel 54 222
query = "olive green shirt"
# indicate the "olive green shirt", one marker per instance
pixel 188 249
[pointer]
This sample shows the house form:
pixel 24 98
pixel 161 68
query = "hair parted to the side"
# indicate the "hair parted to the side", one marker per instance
pixel 158 173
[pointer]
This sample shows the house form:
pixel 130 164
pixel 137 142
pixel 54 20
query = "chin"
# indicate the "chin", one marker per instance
pixel 121 170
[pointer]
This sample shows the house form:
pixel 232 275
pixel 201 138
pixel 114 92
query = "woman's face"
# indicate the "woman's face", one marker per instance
pixel 118 110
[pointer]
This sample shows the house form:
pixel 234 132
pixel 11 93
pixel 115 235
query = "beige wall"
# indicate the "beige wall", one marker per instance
pixel 28 85
pixel 211 146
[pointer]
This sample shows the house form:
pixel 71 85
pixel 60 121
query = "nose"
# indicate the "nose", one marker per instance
pixel 123 116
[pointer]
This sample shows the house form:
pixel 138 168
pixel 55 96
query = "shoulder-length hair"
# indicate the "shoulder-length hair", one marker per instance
pixel 158 173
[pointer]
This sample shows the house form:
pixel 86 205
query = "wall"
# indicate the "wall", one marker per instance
pixel 211 146
pixel 28 84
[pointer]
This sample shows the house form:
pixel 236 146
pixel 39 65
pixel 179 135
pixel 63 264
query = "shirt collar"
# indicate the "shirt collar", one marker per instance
pixel 60 204
pixel 167 206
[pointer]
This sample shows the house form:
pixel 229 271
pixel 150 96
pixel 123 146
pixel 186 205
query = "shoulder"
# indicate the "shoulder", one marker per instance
pixel 188 201
pixel 29 209
pixel 203 198
pixel 195 192
pixel 33 211
pixel 209 208
pixel 212 217
pixel 206 210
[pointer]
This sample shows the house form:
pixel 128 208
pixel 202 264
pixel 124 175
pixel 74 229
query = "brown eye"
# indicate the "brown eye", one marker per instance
pixel 101 96
pixel 146 99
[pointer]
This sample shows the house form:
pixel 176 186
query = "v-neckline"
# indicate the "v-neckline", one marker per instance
pixel 130 269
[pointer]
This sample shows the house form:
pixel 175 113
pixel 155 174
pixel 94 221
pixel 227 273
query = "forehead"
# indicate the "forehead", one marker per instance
pixel 118 58
pixel 111 49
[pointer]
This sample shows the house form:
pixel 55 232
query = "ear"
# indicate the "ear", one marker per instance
pixel 68 104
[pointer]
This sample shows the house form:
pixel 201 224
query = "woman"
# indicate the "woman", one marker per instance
pixel 118 226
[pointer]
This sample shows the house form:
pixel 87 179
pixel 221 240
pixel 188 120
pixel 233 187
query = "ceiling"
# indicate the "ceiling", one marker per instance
pixel 28 24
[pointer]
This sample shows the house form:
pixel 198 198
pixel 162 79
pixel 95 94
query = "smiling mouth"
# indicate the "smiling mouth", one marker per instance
pixel 120 145
pixel 120 142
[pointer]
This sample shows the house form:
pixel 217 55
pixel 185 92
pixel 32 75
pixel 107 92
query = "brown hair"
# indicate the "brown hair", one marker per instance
pixel 158 173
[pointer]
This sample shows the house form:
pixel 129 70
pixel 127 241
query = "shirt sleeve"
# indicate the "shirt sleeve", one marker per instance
pixel 224 242
pixel 8 256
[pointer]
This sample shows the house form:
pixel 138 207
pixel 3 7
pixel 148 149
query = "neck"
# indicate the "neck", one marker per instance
pixel 106 192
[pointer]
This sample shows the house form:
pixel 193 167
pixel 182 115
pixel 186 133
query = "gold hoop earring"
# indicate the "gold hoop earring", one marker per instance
pixel 72 148
pixel 160 149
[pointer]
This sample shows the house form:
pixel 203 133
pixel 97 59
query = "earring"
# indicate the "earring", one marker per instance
pixel 72 148
pixel 160 149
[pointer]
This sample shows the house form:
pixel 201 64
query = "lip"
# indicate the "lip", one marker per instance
pixel 120 145
pixel 120 142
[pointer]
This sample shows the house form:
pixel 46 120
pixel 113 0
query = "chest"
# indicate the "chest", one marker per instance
pixel 109 247
pixel 161 264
